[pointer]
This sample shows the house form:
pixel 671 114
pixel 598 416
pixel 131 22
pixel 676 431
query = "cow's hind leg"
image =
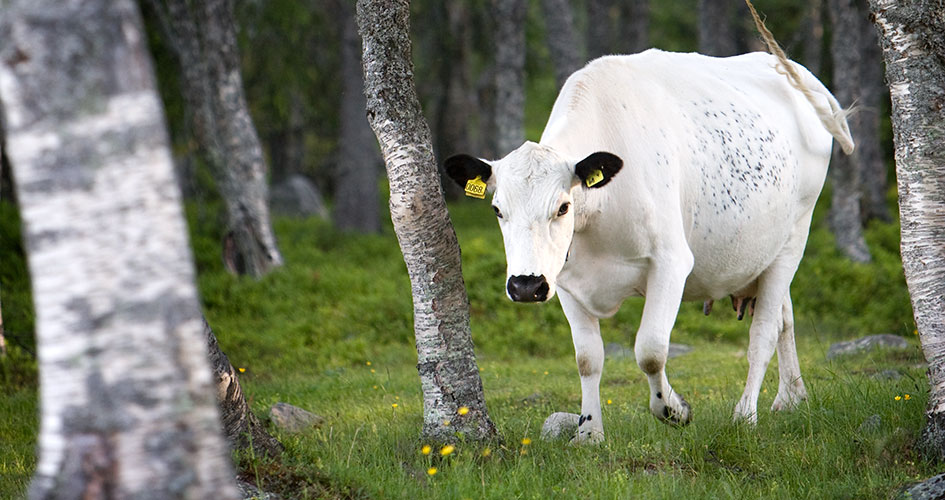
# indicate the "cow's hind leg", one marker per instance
pixel 791 390
pixel 589 354
pixel 766 327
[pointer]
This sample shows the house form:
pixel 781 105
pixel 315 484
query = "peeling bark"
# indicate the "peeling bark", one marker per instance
pixel 125 387
pixel 912 33
pixel 240 426
pixel 449 376
pixel 203 35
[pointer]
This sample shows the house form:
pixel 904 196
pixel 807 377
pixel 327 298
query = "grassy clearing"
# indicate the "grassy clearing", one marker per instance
pixel 306 334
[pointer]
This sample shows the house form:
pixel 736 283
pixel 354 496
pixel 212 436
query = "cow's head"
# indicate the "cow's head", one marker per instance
pixel 534 188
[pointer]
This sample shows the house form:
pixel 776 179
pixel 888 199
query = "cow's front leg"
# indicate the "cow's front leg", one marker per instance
pixel 589 354
pixel 664 289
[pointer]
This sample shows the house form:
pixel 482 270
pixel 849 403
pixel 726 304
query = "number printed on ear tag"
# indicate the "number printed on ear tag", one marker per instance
pixel 593 178
pixel 476 188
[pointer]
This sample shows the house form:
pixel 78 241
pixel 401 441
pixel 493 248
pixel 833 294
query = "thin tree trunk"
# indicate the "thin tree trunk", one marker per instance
pixel 357 201
pixel 812 29
pixel 449 375
pixel 872 97
pixel 912 33
pixel 717 36
pixel 561 39
pixel 846 170
pixel 455 113
pixel 634 35
pixel 509 74
pixel 126 395
pixel 240 426
pixel 600 28
pixel 203 35
pixel 3 160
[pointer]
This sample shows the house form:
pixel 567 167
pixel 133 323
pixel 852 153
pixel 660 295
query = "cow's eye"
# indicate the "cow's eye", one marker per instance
pixel 563 209
pixel 497 212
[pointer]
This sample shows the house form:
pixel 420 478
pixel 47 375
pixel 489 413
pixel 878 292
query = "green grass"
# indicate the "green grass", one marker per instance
pixel 306 333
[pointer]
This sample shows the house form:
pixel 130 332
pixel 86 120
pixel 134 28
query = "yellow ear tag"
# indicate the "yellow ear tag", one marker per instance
pixel 594 178
pixel 476 188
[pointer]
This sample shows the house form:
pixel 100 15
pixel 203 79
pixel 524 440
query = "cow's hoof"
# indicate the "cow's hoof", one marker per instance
pixel 677 412
pixel 789 400
pixel 587 436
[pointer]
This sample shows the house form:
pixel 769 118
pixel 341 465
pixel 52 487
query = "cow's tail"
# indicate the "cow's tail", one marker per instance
pixel 832 116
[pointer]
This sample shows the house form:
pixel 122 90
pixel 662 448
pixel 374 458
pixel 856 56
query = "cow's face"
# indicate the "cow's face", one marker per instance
pixel 533 193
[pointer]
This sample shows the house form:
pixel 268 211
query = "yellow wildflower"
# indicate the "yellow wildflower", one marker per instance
pixel 446 422
pixel 610 402
pixel 898 398
pixel 394 405
pixel 369 363
pixel 906 397
pixel 546 372
pixel 526 441
pixel 462 410
pixel 486 452
pixel 446 450
pixel 242 370
pixel 431 471
pixel 426 449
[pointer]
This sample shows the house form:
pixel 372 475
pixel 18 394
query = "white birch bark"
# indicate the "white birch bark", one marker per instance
pixel 125 387
pixel 449 376
pixel 912 33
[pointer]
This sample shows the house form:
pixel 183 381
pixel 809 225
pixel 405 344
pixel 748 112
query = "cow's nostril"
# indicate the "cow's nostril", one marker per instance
pixel 528 288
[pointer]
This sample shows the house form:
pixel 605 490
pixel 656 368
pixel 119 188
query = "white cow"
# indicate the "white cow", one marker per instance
pixel 674 177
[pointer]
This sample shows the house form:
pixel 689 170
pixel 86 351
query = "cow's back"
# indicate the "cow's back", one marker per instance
pixel 723 148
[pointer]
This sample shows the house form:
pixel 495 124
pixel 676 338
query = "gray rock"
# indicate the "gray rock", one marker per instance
pixel 558 425
pixel 930 489
pixel 297 196
pixel 871 424
pixel 866 344
pixel 293 419
pixel 249 491
pixel 613 350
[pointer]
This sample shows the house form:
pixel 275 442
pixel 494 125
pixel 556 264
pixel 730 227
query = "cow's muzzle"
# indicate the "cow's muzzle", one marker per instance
pixel 528 288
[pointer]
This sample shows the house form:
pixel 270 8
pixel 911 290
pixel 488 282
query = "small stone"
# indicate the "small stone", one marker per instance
pixel 249 491
pixel 293 419
pixel 871 424
pixel 559 424
pixel 930 489
pixel 866 344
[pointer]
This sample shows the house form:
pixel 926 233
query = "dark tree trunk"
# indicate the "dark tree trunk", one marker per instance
pixel 125 387
pixel 449 375
pixel 203 35
pixel 846 170
pixel 912 33
pixel 561 38
pixel 812 30
pixel 600 28
pixel 873 100
pixel 357 200
pixel 509 74
pixel 717 36
pixel 240 426
pixel 633 34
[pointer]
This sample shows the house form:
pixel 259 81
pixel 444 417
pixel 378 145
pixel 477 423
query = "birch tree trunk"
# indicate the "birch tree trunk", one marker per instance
pixel 912 33
pixel 634 33
pixel 561 38
pixel 125 387
pixel 357 202
pixel 717 36
pixel 3 156
pixel 846 170
pixel 509 18
pixel 449 375
pixel 203 35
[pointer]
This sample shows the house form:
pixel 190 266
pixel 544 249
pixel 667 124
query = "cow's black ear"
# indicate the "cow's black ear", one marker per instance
pixel 598 169
pixel 462 168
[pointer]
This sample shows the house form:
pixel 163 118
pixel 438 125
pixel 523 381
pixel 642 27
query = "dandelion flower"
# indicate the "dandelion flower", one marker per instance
pixel 610 402
pixel 242 370
pixel 373 370
pixel 546 372
pixel 446 450
pixel 431 471
pixel 369 363
pixel 375 387
pixel 426 449
pixel 898 398
pixel 462 410
pixel 486 452
pixel 394 405
pixel 906 397
pixel 526 441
